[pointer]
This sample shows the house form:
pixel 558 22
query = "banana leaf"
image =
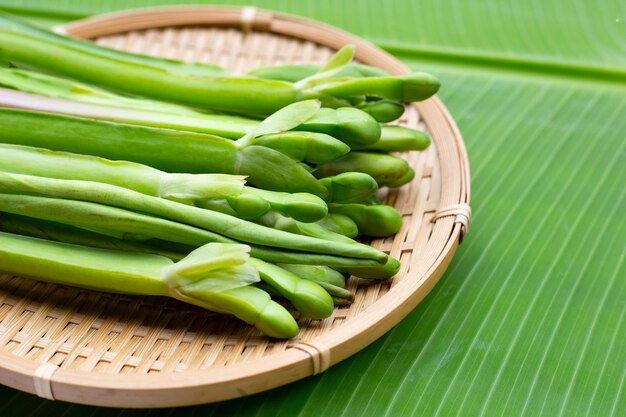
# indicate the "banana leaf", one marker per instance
pixel 529 319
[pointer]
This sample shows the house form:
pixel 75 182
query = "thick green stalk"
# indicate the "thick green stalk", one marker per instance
pixel 300 206
pixel 388 270
pixel 317 273
pixel 226 192
pixel 58 95
pixel 333 282
pixel 349 187
pixel 125 110
pixel 405 179
pixel 352 126
pixel 385 169
pixel 28 46
pixel 223 286
pixel 106 222
pixel 316 148
pixel 383 111
pixel 217 222
pixel 413 87
pixel 141 178
pixel 308 297
pixel 399 139
pixel 377 220
pixel 247 207
pixel 339 223
pixel 43 229
pixel 168 150
pixel 57 87
pixel 10 24
pixel 196 85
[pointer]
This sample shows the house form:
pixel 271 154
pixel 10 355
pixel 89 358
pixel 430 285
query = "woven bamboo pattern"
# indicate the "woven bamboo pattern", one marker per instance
pixel 119 350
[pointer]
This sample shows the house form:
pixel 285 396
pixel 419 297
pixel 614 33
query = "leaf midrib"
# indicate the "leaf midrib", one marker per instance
pixel 567 70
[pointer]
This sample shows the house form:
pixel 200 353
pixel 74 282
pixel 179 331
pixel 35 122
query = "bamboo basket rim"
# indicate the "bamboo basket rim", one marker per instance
pixel 451 222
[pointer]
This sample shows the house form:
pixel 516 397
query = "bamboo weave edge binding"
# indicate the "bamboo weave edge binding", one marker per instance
pixel 319 353
pixel 462 213
pixel 42 380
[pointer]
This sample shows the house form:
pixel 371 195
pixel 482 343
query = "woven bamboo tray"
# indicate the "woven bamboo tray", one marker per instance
pixel 103 349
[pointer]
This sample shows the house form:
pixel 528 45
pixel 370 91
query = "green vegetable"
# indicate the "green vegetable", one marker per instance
pixel 388 270
pixel 28 226
pixel 383 110
pixel 377 221
pixel 339 223
pixel 413 87
pixel 277 221
pixel 300 206
pixel 197 85
pixel 271 133
pixel 57 95
pixel 399 139
pixel 349 187
pixel 217 222
pixel 168 150
pixel 405 179
pixel 247 207
pixel 215 276
pixel 226 192
pixel 297 72
pixel 308 297
pixel 316 148
pixel 57 87
pixel 141 178
pixel 385 169
pixel 351 126
pixel 104 227
pixel 317 273
pixel 332 281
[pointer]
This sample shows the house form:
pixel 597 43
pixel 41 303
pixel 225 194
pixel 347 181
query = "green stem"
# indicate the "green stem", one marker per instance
pixel 349 187
pixel 385 169
pixel 168 150
pixel 43 229
pixel 297 72
pixel 317 273
pixel 28 46
pixel 383 111
pixel 377 220
pixel 355 127
pixel 399 139
pixel 300 206
pixel 141 178
pixel 144 274
pixel 413 87
pixel 338 223
pixel 308 297
pixel 120 223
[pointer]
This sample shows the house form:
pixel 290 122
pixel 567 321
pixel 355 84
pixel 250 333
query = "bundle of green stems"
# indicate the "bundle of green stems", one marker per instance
pixel 238 194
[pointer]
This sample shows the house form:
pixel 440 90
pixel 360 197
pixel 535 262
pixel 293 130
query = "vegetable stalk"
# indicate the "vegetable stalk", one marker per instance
pixel 217 222
pixel 216 276
pixel 112 228
pixel 197 85
pixel 167 150
pixel 146 180
pixel 47 93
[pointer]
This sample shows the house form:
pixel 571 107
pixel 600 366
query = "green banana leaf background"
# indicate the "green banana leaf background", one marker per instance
pixel 529 319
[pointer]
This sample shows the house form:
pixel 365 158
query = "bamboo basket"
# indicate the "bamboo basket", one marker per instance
pixel 110 350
